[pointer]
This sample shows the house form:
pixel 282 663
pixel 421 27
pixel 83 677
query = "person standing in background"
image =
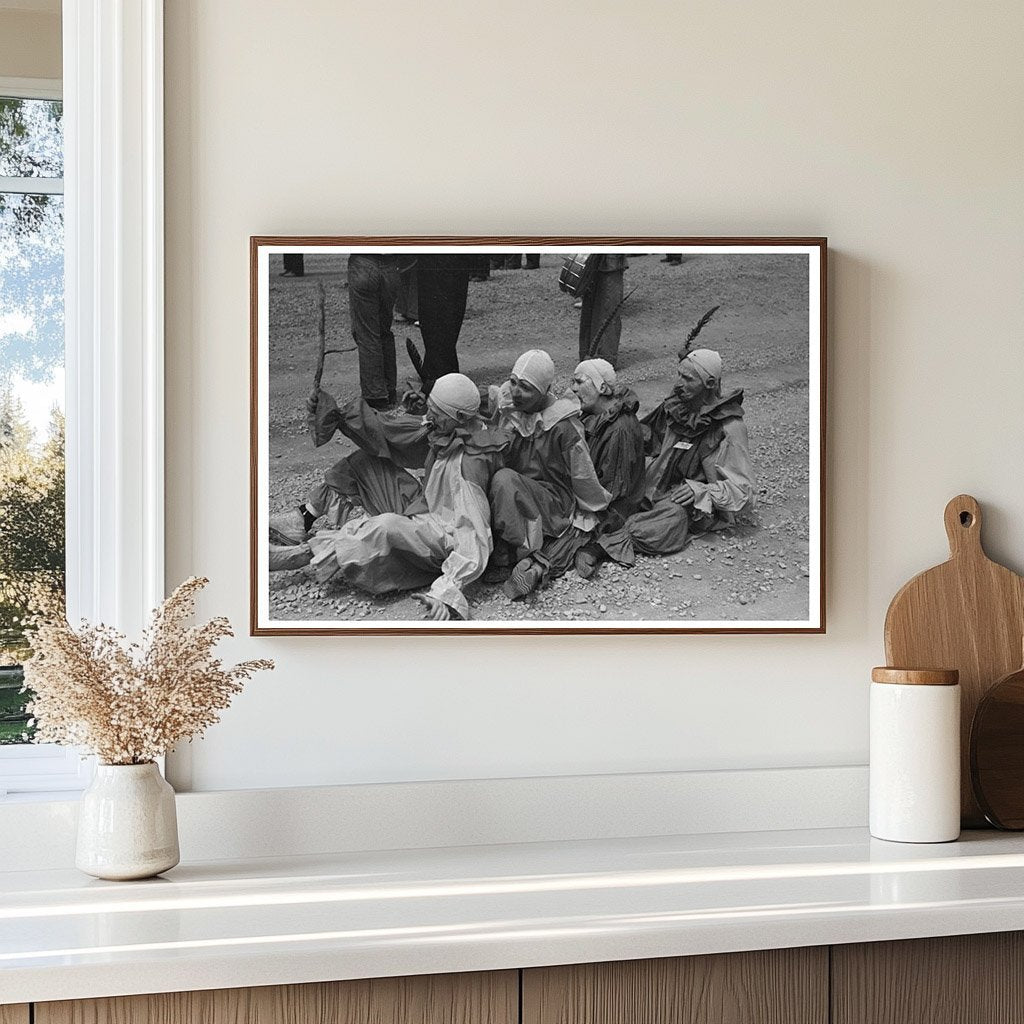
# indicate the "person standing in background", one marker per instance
pixel 481 268
pixel 600 311
pixel 372 290
pixel 443 286
pixel 407 303
pixel 294 265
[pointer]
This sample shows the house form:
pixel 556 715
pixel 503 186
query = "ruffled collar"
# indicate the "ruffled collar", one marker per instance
pixel 692 422
pixel 528 424
pixel 476 440
pixel 623 400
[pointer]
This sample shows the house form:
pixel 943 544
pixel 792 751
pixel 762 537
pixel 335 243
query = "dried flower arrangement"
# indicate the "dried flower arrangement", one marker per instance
pixel 129 704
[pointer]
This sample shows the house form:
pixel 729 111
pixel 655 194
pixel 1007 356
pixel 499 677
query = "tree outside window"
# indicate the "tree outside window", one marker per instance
pixel 32 541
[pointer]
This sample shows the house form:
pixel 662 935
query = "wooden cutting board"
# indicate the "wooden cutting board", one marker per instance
pixel 967 614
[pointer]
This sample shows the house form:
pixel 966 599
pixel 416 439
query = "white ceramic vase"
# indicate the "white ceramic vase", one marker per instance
pixel 127 825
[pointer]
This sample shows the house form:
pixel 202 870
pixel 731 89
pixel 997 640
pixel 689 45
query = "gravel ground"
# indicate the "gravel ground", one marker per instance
pixel 756 571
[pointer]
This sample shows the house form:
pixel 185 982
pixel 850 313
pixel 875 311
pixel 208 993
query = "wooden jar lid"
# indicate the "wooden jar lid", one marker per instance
pixel 916 676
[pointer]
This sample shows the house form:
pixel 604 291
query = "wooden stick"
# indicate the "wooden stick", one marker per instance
pixel 323 337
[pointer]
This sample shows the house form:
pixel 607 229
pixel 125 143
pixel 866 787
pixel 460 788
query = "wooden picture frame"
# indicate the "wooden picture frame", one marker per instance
pixel 758 570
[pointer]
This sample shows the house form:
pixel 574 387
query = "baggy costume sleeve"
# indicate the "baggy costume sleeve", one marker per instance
pixel 463 508
pixel 730 486
pixel 653 426
pixel 402 439
pixel 590 495
pixel 622 460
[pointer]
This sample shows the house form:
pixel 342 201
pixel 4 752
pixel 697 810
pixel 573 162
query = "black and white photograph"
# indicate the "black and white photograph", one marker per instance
pixel 537 435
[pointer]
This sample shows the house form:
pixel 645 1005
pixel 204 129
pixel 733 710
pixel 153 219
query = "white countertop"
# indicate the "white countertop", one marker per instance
pixel 226 924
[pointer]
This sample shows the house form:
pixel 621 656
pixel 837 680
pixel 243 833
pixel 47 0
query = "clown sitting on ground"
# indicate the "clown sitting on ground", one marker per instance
pixel 549 484
pixel 435 535
pixel 701 474
pixel 616 442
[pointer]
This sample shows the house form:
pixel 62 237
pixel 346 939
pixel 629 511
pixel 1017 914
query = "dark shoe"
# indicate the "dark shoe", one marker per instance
pixel 586 563
pixel 525 579
pixel 496 573
pixel 380 404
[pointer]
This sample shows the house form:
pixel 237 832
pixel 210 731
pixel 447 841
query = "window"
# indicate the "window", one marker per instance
pixel 32 533
pixel 31 382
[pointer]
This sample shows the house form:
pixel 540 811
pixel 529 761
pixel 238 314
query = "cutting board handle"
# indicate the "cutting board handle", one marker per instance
pixel 963 526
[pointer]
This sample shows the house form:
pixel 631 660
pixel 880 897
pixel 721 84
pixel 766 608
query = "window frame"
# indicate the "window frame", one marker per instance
pixel 112 90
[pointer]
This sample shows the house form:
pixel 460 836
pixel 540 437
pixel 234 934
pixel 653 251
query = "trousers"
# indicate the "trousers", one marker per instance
pixel 372 290
pixel 443 284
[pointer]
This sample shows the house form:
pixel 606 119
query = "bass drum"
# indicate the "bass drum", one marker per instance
pixel 577 273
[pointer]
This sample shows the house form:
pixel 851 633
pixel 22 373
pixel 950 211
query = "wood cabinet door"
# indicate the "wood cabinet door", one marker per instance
pixel 14 1014
pixel 480 998
pixel 776 986
pixel 960 979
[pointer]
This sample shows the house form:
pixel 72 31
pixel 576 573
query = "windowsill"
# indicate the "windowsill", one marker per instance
pixel 389 913
pixel 47 797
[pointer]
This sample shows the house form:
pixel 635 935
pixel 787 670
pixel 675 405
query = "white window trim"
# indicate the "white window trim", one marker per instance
pixel 42 768
pixel 32 186
pixel 113 169
pixel 114 321
pixel 32 88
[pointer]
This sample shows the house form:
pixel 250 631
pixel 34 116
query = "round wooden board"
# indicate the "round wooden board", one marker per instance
pixel 997 752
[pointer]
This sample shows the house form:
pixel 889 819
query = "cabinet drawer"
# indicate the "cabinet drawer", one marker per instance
pixel 777 986
pixel 479 998
pixel 961 979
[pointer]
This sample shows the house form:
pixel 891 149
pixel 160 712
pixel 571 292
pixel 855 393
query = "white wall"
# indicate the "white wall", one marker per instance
pixel 30 41
pixel 894 129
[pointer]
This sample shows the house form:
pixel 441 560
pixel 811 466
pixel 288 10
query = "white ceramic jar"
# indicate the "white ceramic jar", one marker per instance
pixel 915 755
pixel 127 823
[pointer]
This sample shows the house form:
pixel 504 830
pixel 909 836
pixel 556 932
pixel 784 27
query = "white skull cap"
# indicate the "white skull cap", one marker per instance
pixel 598 371
pixel 536 367
pixel 708 363
pixel 455 394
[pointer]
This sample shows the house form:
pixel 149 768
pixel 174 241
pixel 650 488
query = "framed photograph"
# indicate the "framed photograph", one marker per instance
pixel 537 435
